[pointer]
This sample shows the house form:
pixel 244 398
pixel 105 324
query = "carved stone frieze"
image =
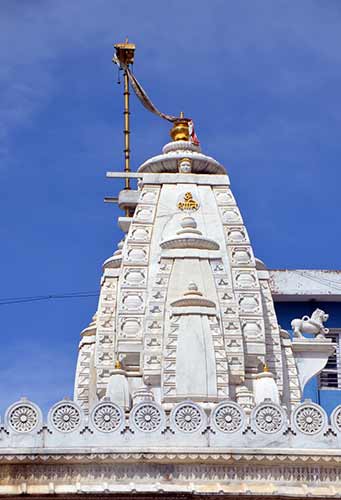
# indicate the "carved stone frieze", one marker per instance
pixel 224 196
pixel 292 394
pixel 255 475
pixel 231 215
pixel 139 233
pixel 155 321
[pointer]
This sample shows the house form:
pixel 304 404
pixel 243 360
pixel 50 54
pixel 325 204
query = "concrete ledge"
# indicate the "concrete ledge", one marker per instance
pixel 173 178
pixel 295 285
pixel 176 178
pixel 124 223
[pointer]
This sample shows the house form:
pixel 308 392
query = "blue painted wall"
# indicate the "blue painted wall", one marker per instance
pixel 286 312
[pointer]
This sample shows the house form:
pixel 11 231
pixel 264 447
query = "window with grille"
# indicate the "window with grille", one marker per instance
pixel 330 377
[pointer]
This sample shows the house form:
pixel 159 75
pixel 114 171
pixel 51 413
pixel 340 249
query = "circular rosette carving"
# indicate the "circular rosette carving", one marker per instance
pixel 188 417
pixel 228 417
pixel 335 418
pixel 309 418
pixel 107 417
pixel 23 416
pixel 147 417
pixel 65 416
pixel 268 418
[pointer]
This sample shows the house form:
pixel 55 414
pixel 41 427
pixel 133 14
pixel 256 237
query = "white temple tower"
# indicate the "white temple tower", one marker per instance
pixel 185 309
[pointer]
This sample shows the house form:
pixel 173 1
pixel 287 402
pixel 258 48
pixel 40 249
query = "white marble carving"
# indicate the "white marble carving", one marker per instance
pixel 312 325
pixel 335 418
pixel 268 418
pixel 309 418
pixel 228 417
pixel 23 416
pixel 65 416
pixel 188 417
pixel 147 417
pixel 107 417
pixel 185 165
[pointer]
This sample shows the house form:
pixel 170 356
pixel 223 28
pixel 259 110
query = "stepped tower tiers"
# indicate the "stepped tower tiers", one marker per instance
pixel 185 309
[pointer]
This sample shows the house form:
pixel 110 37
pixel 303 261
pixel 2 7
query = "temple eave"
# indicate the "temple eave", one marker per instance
pixel 177 475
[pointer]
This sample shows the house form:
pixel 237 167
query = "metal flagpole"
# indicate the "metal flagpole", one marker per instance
pixel 126 129
pixel 124 57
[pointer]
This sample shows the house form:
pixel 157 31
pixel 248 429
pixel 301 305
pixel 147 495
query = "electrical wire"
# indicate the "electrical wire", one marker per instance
pixel 52 296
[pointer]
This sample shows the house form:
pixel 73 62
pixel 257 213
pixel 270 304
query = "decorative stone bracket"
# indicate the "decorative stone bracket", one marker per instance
pixel 311 357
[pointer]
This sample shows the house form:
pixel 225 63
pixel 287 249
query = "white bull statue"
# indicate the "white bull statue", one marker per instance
pixel 313 324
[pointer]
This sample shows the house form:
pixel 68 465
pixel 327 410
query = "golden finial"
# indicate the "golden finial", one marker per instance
pixel 118 365
pixel 265 368
pixel 180 130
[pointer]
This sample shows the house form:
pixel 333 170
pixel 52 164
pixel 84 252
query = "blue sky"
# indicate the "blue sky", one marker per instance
pixel 262 82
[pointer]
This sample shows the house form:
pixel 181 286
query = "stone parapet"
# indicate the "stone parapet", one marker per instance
pixel 147 425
